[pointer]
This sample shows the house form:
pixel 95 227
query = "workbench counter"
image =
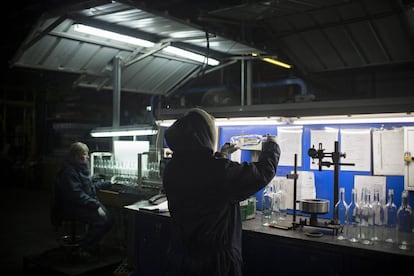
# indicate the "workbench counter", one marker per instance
pixel 272 251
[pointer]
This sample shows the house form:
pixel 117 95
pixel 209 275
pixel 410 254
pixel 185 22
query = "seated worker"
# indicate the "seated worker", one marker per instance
pixel 75 198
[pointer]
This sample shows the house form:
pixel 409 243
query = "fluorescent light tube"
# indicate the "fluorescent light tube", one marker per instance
pixel 277 62
pixel 190 55
pixel 312 120
pixel 144 43
pixel 355 119
pixel 248 121
pixel 118 132
pixel 111 35
pixel 241 121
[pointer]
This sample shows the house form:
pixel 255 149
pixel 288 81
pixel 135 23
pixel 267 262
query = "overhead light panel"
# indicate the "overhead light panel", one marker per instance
pixel 249 121
pixel 112 35
pixel 236 121
pixel 144 43
pixel 379 118
pixel 123 131
pixel 191 55
pixel 355 119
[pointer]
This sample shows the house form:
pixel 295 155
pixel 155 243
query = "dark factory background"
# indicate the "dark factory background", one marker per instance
pixel 339 49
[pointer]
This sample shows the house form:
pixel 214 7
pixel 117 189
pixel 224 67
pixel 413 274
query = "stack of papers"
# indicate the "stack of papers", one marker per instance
pixel 161 208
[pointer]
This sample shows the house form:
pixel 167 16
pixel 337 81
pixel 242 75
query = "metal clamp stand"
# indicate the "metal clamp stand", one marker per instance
pixel 294 176
pixel 336 155
pixel 313 218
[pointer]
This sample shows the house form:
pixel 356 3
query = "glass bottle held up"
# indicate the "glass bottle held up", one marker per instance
pixel 404 223
pixel 340 213
pixel 352 231
pixel 247 140
pixel 390 219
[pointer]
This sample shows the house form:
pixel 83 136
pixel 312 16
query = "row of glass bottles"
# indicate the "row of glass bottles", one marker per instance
pixel 126 172
pixel 274 207
pixel 368 221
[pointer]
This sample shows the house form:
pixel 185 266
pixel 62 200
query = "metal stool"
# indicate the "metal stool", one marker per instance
pixel 70 239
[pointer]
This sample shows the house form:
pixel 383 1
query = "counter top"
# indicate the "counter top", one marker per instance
pixel 327 240
pixel 121 195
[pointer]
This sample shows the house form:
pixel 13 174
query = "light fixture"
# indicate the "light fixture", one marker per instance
pixel 191 55
pixel 144 43
pixel 273 61
pixel 123 131
pixel 236 121
pixel 249 121
pixel 277 62
pixel 379 118
pixel 112 35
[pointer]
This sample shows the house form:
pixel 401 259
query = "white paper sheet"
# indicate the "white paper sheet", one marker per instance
pixel 409 165
pixel 388 151
pixel 290 142
pixel 161 208
pixel 356 144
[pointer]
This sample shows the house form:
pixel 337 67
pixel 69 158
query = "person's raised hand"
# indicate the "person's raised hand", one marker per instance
pixel 227 149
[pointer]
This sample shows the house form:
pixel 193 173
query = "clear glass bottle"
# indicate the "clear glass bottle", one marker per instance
pixel 280 198
pixel 267 205
pixel 276 205
pixel 404 222
pixel 367 220
pixel 362 197
pixel 247 140
pixel 390 218
pixel 378 217
pixel 352 214
pixel 340 213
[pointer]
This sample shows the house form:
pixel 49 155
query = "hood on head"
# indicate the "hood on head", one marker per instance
pixel 194 131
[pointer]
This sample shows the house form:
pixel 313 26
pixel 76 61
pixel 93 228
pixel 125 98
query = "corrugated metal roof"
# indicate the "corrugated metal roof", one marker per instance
pixel 55 45
pixel 320 36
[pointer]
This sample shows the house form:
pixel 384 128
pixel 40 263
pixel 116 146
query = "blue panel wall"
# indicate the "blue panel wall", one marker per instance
pixel 324 180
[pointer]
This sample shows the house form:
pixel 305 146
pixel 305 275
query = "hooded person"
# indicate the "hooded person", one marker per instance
pixel 204 189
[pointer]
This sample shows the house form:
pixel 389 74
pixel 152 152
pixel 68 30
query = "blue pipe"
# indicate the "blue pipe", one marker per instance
pixel 283 82
pixel 290 81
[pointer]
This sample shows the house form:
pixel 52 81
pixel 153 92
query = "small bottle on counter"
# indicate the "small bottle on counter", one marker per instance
pixel 404 223
pixel 267 205
pixel 340 213
pixel 378 217
pixel 280 199
pixel 390 219
pixel 352 227
pixel 367 220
